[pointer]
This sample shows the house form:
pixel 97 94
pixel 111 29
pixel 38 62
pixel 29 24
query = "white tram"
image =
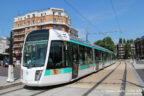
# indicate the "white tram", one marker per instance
pixel 51 57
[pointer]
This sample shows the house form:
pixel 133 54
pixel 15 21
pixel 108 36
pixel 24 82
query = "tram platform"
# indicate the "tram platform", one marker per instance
pixel 5 84
pixel 119 79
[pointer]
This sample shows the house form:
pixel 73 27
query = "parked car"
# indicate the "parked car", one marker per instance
pixel 6 62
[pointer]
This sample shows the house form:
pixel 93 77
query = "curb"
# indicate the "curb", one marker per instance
pixel 137 75
pixel 138 78
pixel 11 85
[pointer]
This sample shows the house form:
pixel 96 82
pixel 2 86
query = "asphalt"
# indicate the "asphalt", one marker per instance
pixel 4 71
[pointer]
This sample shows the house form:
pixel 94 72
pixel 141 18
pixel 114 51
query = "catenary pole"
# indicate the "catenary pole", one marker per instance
pixel 11 65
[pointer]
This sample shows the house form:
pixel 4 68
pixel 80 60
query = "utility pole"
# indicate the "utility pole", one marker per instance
pixel 11 65
pixel 86 34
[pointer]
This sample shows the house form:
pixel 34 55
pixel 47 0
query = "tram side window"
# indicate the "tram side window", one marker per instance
pixel 108 56
pixel 89 55
pixel 98 55
pixel 81 55
pixel 57 56
pixel 104 55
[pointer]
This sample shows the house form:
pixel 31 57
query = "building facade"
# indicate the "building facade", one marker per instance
pixel 121 51
pixel 4 45
pixel 139 47
pixel 53 18
pixel 133 52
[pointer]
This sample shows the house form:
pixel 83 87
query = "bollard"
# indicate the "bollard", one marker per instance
pixel 10 73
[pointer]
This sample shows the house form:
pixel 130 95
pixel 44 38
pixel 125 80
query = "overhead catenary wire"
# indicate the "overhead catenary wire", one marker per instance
pixel 81 15
pixel 89 22
pixel 116 16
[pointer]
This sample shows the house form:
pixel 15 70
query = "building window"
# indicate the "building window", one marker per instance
pixel 54 19
pixel 59 13
pixel 54 26
pixel 28 22
pixel 33 28
pixel 59 27
pixel 41 20
pixel 28 16
pixel 53 13
pixel 28 30
pixel 33 21
pixel 33 15
pixel 59 20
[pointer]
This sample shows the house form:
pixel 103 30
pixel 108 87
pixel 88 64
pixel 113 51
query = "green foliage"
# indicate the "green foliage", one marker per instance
pixel 107 42
pixel 100 43
pixel 127 43
pixel 124 41
pixel 127 50
pixel 131 41
pixel 120 40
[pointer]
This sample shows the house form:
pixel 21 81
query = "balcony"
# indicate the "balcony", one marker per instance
pixel 19 40
pixel 42 23
pixel 19 34
pixel 18 46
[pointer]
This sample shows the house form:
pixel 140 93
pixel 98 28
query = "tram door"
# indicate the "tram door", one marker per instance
pixel 97 59
pixel 75 61
pixel 103 59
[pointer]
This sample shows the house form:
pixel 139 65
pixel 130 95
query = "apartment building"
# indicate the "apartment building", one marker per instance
pixel 52 18
pixel 4 45
pixel 133 52
pixel 120 51
pixel 139 47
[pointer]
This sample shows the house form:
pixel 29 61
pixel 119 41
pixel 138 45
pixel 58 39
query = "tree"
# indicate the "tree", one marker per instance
pixel 107 43
pixel 127 50
pixel 120 41
pixel 124 41
pixel 131 41
pixel 100 43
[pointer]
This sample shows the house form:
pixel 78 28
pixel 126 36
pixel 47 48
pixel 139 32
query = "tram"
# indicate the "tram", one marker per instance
pixel 52 57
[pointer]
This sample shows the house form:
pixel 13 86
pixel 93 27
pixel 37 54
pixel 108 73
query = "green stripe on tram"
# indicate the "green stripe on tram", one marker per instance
pixel 73 41
pixel 57 71
pixel 86 66
pixel 65 70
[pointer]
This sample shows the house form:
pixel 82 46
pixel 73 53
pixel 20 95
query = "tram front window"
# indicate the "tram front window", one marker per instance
pixel 35 49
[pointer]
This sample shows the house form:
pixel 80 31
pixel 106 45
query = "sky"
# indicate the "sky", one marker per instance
pixel 127 16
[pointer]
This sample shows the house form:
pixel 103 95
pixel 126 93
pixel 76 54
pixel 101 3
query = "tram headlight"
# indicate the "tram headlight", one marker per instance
pixel 38 75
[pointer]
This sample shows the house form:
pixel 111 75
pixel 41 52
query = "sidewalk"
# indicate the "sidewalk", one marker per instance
pixel 139 68
pixel 5 84
pixel 138 64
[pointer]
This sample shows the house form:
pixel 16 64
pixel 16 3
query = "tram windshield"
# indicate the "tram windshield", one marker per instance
pixel 35 49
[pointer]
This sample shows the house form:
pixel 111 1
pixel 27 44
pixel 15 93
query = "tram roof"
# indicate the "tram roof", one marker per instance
pixel 88 44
